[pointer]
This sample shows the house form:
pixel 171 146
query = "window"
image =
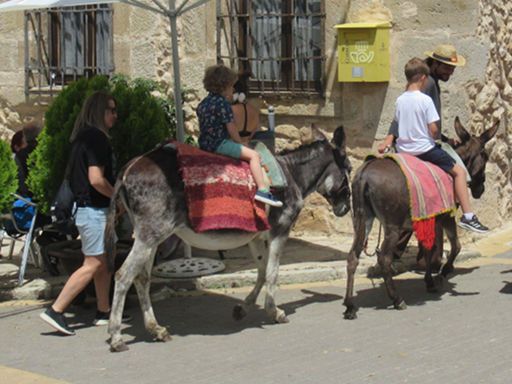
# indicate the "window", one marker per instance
pixel 78 43
pixel 280 41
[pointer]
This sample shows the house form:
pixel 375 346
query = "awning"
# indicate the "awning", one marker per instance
pixel 22 5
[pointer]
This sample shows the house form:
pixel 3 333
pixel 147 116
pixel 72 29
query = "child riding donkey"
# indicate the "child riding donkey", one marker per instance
pixel 416 116
pixel 218 132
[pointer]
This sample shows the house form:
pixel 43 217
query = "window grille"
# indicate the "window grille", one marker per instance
pixel 280 41
pixel 78 43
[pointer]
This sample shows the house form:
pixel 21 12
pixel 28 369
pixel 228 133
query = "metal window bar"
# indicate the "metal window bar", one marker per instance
pixel 40 51
pixel 296 67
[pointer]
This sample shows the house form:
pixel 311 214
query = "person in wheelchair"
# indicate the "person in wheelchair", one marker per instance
pixel 19 221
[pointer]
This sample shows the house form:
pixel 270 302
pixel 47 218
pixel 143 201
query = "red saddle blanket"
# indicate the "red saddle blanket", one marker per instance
pixel 219 192
pixel 430 193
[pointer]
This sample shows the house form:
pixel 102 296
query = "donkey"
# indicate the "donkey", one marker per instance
pixel 379 191
pixel 152 193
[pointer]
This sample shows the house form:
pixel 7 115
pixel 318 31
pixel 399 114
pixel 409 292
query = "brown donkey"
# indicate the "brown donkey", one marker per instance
pixel 379 191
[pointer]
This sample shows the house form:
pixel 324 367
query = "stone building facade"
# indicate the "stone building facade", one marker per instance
pixel 480 93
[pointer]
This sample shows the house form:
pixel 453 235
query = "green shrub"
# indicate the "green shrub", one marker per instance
pixel 8 177
pixel 143 122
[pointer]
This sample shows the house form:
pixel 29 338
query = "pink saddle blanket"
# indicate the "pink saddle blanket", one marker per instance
pixel 219 192
pixel 430 194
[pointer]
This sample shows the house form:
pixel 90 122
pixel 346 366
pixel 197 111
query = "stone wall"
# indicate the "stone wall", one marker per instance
pixel 480 93
pixel 490 101
pixel 12 69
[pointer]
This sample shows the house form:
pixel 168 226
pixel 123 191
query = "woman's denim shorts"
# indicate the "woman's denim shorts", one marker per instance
pixel 91 223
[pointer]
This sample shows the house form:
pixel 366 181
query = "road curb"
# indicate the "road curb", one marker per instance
pixel 49 287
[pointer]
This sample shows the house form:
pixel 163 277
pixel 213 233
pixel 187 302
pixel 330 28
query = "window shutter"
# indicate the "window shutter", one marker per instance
pixel 72 58
pixel 104 62
pixel 266 39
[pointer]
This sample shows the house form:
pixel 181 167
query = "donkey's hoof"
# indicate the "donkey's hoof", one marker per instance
pixel 400 305
pixel 446 270
pixel 432 289
pixel 350 314
pixel 118 347
pixel 239 312
pixel 281 318
pixel 162 335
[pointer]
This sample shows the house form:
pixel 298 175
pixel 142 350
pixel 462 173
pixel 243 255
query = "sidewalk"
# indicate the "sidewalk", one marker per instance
pixel 306 259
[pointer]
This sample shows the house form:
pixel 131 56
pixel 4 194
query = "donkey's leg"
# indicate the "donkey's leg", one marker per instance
pixel 385 258
pixel 401 245
pixel 259 252
pixel 352 263
pixel 450 228
pixel 427 255
pixel 132 266
pixel 143 284
pixel 275 250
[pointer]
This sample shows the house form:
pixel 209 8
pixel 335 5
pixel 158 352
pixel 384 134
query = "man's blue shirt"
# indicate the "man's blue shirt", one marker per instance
pixel 213 112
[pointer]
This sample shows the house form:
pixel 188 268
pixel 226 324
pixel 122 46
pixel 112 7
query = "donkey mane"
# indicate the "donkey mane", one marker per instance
pixel 302 154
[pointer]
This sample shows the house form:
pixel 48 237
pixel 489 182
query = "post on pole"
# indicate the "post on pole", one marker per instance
pixel 180 129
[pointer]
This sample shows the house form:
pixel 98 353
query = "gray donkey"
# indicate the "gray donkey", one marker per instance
pixel 152 193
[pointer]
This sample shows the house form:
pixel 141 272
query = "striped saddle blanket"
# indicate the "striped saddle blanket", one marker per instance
pixel 430 194
pixel 219 191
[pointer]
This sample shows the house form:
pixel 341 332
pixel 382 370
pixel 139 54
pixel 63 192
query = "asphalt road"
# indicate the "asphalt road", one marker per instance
pixel 463 334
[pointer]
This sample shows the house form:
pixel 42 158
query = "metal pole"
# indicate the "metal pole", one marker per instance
pixel 180 130
pixel 27 61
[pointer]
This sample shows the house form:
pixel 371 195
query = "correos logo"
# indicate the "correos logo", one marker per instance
pixel 362 54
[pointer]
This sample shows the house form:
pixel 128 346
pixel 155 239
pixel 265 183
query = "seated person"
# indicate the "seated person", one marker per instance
pixel 22 144
pixel 246 115
pixel 218 133
pixel 417 128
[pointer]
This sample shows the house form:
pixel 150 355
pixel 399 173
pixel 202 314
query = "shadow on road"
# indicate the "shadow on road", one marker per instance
pixel 412 290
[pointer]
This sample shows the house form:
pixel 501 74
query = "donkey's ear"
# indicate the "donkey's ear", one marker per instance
pixel 339 138
pixel 461 131
pixel 316 133
pixel 489 134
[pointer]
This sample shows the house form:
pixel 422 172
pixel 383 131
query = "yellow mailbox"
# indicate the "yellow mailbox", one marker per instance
pixel 363 52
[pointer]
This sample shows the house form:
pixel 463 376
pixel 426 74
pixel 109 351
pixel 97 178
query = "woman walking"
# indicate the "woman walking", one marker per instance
pixel 91 180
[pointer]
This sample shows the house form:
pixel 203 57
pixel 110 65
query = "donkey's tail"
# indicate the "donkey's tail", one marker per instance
pixel 363 214
pixel 110 230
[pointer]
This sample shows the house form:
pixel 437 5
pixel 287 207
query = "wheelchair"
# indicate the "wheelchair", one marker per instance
pixel 34 230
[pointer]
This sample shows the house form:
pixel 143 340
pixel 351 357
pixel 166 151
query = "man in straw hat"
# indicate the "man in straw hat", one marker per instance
pixel 442 62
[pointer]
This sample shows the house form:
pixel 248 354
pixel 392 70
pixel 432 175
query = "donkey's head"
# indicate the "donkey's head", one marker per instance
pixel 472 152
pixel 333 184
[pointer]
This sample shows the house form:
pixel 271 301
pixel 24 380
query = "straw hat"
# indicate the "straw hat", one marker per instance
pixel 447 54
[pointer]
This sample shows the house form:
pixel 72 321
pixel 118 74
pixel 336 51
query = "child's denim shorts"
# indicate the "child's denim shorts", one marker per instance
pixel 91 223
pixel 229 148
pixel 438 157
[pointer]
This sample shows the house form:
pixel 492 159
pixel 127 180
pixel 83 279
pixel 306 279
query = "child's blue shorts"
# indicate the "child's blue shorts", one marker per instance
pixel 438 157
pixel 229 148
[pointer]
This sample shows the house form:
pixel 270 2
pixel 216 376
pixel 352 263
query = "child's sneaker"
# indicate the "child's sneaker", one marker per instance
pixel 267 198
pixel 102 318
pixel 472 224
pixel 57 321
